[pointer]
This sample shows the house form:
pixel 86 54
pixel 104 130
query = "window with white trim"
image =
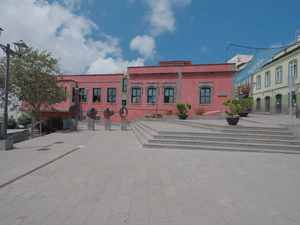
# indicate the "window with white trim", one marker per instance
pixel 278 77
pixel 151 95
pixel 205 95
pixel 169 95
pixel 136 95
pixel 97 95
pixel 258 82
pixel 111 94
pixel 293 68
pixel 268 78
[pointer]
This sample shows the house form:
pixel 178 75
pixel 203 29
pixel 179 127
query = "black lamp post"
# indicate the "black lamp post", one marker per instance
pixel 20 44
pixel 157 88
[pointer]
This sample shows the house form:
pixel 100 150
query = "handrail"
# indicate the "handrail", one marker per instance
pixel 31 126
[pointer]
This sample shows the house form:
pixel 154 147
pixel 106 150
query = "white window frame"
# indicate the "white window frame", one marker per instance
pixel 278 76
pixel 268 78
pixel 293 68
pixel 258 82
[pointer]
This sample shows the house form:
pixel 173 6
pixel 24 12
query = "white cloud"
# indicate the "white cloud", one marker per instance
pixel 203 50
pixel 110 65
pixel 161 15
pixel 145 45
pixel 191 19
pixel 58 30
pixel 278 45
pixel 56 27
pixel 73 4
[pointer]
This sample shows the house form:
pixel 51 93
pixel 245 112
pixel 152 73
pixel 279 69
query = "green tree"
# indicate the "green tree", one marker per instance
pixel 246 104
pixel 183 108
pixel 34 80
pixel 234 107
pixel 24 119
pixel 11 123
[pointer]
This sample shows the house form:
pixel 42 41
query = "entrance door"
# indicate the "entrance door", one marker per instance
pixel 258 105
pixel 268 103
pixel 278 104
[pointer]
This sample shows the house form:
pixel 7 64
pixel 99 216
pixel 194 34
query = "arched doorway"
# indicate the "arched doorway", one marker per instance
pixel 258 104
pixel 278 104
pixel 267 103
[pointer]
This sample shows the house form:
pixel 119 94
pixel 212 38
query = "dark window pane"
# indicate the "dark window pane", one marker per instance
pixel 205 96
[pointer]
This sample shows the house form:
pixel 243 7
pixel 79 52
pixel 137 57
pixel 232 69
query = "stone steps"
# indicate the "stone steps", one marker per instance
pixel 235 129
pixel 268 140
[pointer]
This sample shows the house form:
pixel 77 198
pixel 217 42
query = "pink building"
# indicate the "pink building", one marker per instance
pixel 151 89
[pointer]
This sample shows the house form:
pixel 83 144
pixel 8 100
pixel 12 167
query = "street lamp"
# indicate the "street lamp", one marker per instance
pixel 79 97
pixel 157 87
pixel 20 44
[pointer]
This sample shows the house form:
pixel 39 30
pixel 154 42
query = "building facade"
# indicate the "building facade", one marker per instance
pixel 150 90
pixel 271 91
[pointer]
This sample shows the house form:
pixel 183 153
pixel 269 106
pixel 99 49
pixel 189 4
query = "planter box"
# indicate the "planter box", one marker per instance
pixel 232 120
pixel 243 114
pixel 183 117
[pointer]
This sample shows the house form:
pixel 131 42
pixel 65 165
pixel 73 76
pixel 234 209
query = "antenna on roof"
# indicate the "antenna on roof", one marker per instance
pixel 297 36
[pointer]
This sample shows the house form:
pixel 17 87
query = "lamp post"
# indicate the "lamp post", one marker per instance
pixel 291 83
pixel 157 87
pixel 77 94
pixel 20 44
pixel 79 98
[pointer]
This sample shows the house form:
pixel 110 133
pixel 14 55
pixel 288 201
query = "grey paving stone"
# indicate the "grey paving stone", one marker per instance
pixel 113 180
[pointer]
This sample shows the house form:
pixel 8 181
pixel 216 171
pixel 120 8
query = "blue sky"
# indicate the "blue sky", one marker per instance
pixel 106 36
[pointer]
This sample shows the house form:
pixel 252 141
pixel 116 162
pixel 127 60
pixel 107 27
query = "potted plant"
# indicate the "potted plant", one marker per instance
pixel 234 107
pixel 246 105
pixel 183 110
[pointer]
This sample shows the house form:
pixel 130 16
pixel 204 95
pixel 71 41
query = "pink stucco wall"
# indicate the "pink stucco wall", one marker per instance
pixel 184 77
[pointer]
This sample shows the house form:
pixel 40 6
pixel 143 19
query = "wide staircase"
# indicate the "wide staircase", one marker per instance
pixel 191 135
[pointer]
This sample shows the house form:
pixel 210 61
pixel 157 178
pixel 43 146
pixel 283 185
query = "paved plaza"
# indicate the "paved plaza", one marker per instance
pixel 106 177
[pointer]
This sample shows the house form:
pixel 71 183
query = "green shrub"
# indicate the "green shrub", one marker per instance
pixel 233 105
pixel 199 111
pixel 24 119
pixel 52 124
pixel 168 112
pixel 246 104
pixel 183 108
pixel 153 115
pixel 159 115
pixel 12 123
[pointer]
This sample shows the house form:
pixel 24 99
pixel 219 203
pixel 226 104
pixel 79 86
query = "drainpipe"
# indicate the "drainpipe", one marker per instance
pixel 179 84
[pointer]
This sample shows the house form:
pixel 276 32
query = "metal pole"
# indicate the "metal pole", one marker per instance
pixel 80 99
pixel 156 102
pixel 4 128
pixel 76 100
pixel 291 84
pixel 227 50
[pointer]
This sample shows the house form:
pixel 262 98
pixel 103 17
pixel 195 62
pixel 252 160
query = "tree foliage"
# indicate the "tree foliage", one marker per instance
pixel 234 107
pixel 246 104
pixel 12 123
pixel 183 108
pixel 34 80
pixel 24 119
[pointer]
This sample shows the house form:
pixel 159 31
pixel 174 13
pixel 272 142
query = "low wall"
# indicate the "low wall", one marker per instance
pixel 19 136
pixel 295 128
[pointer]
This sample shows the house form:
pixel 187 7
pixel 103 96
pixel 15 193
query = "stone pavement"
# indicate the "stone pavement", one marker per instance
pixel 101 177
